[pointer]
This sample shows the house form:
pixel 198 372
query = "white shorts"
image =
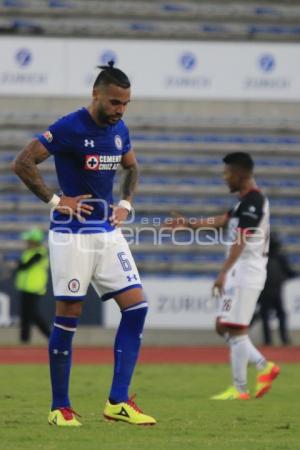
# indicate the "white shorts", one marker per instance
pixel 237 306
pixel 103 259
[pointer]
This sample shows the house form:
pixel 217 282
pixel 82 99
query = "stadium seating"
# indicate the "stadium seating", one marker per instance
pixel 181 170
pixel 180 155
pixel 240 20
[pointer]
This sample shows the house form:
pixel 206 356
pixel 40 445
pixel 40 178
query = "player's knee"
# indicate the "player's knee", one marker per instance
pixel 141 309
pixel 68 309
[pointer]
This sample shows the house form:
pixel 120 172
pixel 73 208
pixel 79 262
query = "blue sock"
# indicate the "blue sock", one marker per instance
pixel 60 358
pixel 126 350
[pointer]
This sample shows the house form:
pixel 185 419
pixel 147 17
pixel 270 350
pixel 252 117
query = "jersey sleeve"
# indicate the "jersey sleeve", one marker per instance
pixel 127 141
pixel 250 211
pixel 57 138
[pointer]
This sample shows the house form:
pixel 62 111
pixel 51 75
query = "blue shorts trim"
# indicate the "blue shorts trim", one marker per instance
pixel 70 298
pixel 113 293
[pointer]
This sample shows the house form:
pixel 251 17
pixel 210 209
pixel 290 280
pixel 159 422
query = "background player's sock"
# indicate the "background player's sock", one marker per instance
pixel 60 356
pixel 255 356
pixel 126 350
pixel 239 361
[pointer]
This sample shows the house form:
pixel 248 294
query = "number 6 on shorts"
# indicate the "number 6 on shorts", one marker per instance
pixel 124 262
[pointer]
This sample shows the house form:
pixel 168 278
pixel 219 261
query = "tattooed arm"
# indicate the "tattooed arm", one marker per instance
pixel 25 166
pixel 130 179
pixel 128 187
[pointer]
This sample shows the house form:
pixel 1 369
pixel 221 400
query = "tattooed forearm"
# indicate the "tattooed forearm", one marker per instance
pixel 129 182
pixel 25 166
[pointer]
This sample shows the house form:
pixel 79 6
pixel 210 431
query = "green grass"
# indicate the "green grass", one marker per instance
pixel 177 395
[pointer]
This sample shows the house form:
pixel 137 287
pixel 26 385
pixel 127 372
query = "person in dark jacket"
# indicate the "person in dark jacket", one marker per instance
pixel 270 301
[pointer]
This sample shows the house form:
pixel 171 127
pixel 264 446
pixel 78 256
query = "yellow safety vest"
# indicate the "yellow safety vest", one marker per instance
pixel 34 278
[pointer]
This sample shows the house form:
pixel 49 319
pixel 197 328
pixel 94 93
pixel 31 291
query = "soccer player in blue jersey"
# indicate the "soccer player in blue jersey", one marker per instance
pixel 85 244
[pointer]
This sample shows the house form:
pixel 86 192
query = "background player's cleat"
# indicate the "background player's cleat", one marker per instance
pixel 231 394
pixel 127 412
pixel 265 378
pixel 64 417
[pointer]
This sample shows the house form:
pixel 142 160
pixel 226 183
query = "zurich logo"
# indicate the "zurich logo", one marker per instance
pixel 188 61
pixel 108 55
pixel 267 62
pixel 23 57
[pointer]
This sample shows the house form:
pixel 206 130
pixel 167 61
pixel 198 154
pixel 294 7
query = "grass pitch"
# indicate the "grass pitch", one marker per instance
pixel 176 395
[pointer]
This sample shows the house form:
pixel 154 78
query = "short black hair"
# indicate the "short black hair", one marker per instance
pixel 111 75
pixel 242 160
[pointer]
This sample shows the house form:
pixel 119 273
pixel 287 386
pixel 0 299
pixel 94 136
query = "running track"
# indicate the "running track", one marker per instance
pixel 149 355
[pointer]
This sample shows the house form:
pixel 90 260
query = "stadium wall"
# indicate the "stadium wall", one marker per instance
pixel 158 69
pixel 147 108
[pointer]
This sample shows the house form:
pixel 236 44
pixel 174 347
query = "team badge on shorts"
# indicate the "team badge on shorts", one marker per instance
pixel 48 136
pixel 74 285
pixel 118 142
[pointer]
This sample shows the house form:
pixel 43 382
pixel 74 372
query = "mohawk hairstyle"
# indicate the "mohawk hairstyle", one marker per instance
pixel 110 75
pixel 242 160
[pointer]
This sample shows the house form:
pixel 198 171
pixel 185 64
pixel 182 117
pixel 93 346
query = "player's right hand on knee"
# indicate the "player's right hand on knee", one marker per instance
pixel 75 206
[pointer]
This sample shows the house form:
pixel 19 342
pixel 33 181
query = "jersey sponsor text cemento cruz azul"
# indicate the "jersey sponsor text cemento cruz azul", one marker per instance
pixel 102 162
pixel 87 157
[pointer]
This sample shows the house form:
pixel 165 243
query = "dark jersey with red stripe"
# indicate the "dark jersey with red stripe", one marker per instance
pixel 251 215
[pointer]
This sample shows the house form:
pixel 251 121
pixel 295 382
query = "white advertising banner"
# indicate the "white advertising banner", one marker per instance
pixel 157 69
pixel 187 303
pixel 173 303
pixel 31 66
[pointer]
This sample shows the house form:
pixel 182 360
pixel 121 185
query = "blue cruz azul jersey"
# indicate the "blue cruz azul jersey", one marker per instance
pixel 86 159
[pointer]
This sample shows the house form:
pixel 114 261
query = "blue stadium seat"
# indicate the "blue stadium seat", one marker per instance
pixel 217 138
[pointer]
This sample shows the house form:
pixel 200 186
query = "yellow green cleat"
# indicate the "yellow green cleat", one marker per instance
pixel 231 394
pixel 265 379
pixel 127 412
pixel 64 417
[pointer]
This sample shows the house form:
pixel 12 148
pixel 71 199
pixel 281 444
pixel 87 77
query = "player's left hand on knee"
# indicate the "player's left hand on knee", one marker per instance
pixel 119 215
